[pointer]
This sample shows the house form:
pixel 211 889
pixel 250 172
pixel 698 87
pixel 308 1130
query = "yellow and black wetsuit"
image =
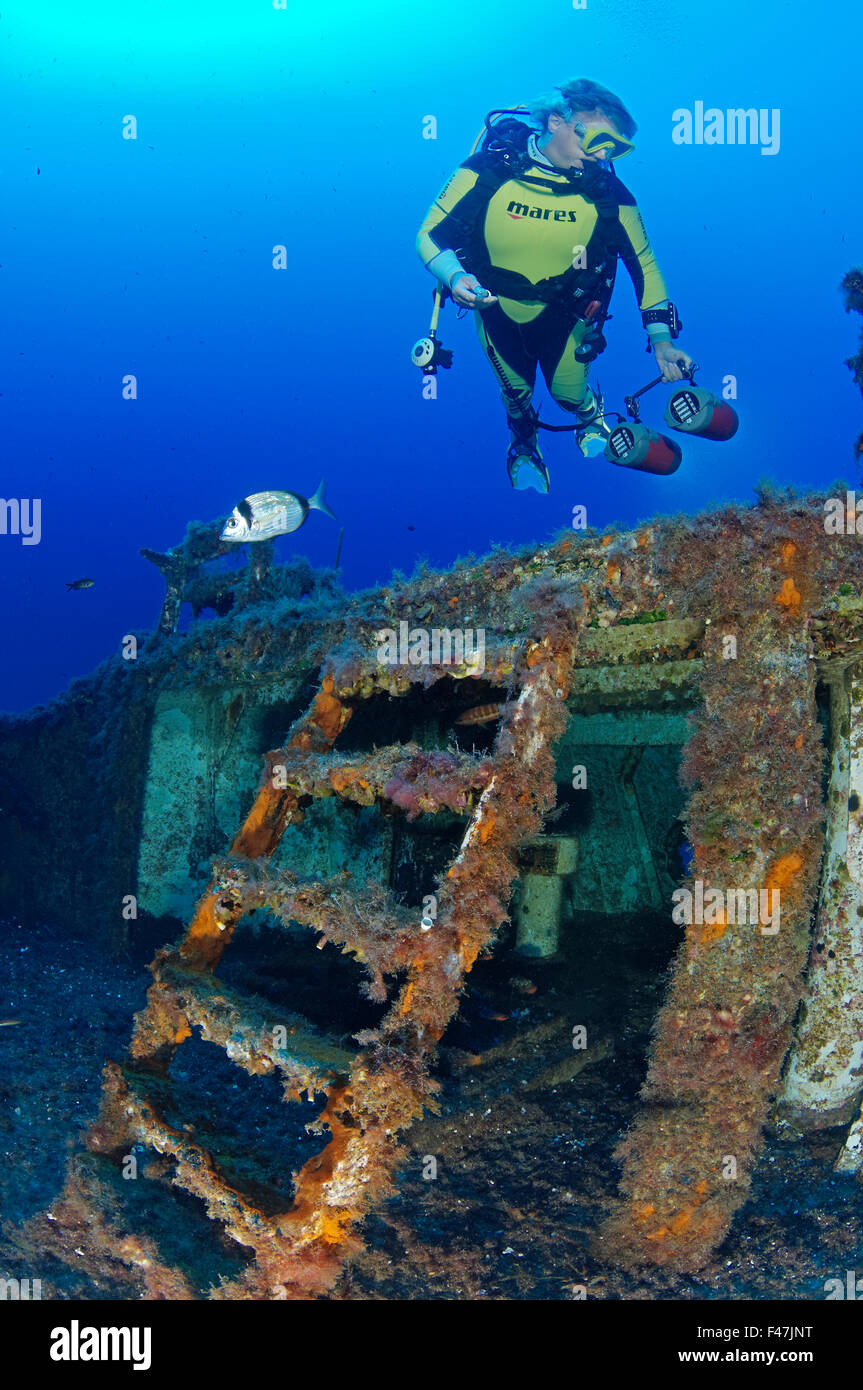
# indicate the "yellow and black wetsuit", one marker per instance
pixel 545 240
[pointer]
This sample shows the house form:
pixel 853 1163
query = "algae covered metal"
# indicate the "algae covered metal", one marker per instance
pixel 717 633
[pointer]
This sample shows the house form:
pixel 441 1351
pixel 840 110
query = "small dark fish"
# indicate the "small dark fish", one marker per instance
pixel 412 528
pixel 480 714
pixel 81 584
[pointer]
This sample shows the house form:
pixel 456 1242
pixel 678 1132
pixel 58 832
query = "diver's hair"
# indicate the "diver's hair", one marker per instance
pixel 580 94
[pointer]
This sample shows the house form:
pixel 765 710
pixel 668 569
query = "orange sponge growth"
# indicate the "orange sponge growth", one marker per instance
pixel 789 595
pixel 328 712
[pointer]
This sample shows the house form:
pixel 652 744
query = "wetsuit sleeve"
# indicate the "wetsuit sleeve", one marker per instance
pixel 434 241
pixel 638 256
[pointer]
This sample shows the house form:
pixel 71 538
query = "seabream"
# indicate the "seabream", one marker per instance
pixel 264 515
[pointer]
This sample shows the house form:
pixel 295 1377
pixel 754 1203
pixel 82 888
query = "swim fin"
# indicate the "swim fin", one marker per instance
pixel 592 433
pixel 524 462
pixel 527 471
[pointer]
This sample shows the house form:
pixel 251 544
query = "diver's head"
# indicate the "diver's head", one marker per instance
pixel 582 123
pixel 576 140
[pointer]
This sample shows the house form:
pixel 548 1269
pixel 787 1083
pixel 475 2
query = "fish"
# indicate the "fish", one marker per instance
pixel 81 584
pixel 10 1022
pixel 486 1011
pixel 486 1007
pixel 479 714
pixel 265 515
pixel 522 984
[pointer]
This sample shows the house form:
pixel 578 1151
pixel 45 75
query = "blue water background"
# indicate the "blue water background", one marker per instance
pixel 304 127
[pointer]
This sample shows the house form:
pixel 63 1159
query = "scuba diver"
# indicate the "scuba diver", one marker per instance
pixel 528 231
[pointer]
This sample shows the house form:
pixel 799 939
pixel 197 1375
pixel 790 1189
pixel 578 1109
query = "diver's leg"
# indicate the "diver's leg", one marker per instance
pixel 512 363
pixel 567 380
pixel 515 368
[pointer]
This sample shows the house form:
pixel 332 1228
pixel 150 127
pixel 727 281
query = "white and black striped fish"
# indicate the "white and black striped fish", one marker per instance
pixel 264 515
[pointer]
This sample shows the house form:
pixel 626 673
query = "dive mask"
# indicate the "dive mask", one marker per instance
pixel 601 143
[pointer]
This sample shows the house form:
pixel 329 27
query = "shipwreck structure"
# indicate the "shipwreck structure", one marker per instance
pixel 336 765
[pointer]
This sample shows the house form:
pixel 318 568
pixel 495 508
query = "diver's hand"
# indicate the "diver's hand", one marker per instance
pixel 462 292
pixel 668 356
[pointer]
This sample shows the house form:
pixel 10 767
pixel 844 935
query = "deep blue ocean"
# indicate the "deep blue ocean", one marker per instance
pixel 258 126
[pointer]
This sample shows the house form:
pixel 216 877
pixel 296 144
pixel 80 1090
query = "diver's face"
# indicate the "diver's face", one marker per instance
pixel 565 147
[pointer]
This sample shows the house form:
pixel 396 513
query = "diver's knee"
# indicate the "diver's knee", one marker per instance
pixel 587 407
pixel 517 402
pixel 577 405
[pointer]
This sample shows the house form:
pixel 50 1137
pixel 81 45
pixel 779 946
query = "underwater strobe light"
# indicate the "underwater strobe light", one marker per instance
pixel 692 410
pixel 635 446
